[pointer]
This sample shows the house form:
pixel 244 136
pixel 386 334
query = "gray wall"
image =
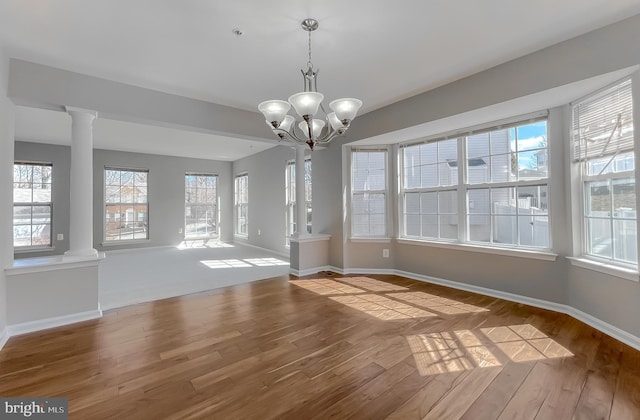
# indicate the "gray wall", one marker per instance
pixel 266 172
pixel 60 157
pixel 7 110
pixel 165 194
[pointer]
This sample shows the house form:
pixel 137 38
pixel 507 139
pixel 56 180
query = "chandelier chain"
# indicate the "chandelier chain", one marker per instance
pixel 309 63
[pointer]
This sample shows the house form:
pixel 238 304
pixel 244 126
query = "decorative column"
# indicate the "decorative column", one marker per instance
pixel 301 205
pixel 81 189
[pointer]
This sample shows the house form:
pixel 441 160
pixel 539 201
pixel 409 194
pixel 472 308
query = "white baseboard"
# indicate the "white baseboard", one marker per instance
pixel 4 337
pixel 309 271
pixel 368 271
pixel 58 321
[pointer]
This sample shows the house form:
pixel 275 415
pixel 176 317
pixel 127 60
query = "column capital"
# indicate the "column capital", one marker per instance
pixel 73 111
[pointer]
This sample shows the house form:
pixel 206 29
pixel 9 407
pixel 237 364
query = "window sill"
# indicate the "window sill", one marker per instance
pixel 510 252
pixel 373 239
pixel 129 242
pixel 604 268
pixel 33 249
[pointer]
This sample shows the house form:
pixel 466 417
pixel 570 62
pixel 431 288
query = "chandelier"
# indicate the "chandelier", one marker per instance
pixel 309 129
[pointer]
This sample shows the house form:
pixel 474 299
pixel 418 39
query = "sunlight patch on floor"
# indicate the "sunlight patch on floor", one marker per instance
pixel 382 307
pixel 442 352
pixel 231 263
pixel 371 284
pixel 265 262
pixel 437 303
pixel 326 287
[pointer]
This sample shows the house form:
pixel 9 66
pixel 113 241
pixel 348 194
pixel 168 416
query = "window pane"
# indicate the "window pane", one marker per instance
pixel 22 193
pixel 624 198
pixel 112 177
pixel 140 195
pixel 599 241
pixel 532 164
pixel 429 176
pixel 448 226
pixel 500 142
pixel 40 234
pixel 412 225
pixel 479 228
pixel 501 168
pixel 448 202
pixel 478 145
pixel 429 203
pixel 625 241
pixel 428 153
pixel 478 170
pixel 478 201
pixel 534 230
pixel 598 199
pixel 412 177
pixel 505 230
pixel 41 214
pixel 430 226
pixel 532 136
pixel 21 215
pixel 411 203
pixel 532 199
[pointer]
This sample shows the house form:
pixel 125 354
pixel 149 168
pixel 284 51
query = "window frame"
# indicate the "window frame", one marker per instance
pixel 385 192
pixel 464 186
pixel 579 161
pixel 146 224
pixel 216 217
pixel 237 205
pixel 290 196
pixel 32 204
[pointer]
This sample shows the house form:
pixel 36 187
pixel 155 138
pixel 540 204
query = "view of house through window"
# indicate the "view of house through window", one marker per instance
pixel 32 208
pixel 201 210
pixel 241 204
pixel 290 186
pixel 502 186
pixel 126 205
pixel 604 153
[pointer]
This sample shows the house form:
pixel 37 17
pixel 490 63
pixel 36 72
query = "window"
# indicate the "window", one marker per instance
pixel 291 195
pixel 126 204
pixel 603 146
pixel 241 204
pixel 200 205
pixel 32 208
pixel 499 196
pixel 368 193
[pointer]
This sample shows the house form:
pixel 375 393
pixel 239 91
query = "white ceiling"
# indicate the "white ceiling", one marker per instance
pixel 376 50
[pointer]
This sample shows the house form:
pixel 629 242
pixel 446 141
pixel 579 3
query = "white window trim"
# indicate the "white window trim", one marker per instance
pixel 104 209
pixel 536 254
pixel 235 206
pixel 606 268
pixel 216 234
pixel 580 257
pixel 463 187
pixel 35 248
pixel 387 192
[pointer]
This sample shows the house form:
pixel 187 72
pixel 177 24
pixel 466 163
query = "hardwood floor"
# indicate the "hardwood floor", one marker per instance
pixel 328 347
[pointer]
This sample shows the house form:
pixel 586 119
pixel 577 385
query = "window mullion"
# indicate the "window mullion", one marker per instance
pixel 463 220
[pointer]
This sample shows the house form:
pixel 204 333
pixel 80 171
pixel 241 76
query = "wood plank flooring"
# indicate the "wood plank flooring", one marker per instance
pixel 328 346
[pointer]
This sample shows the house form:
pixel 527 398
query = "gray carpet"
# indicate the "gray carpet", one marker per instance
pixel 143 275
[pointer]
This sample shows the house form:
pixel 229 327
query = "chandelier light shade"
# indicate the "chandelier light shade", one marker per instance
pixel 312 128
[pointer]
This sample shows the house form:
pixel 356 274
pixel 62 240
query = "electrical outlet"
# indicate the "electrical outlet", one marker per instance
pixel 385 253
pixel 180 230
pixel 60 236
pixel 259 232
